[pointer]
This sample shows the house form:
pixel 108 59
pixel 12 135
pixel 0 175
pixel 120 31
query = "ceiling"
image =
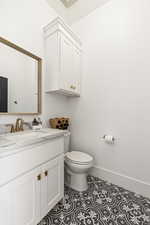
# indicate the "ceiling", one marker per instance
pixel 74 10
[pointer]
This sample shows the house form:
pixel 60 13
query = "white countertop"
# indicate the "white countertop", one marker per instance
pixel 15 142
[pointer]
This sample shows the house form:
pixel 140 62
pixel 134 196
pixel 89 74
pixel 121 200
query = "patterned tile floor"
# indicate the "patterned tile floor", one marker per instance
pixel 102 204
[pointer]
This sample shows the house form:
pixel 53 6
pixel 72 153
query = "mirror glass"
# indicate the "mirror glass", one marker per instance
pixel 19 80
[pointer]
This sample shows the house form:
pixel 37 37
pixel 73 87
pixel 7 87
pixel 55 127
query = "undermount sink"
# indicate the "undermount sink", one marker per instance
pixel 20 138
pixel 13 141
pixel 4 142
pixel 26 135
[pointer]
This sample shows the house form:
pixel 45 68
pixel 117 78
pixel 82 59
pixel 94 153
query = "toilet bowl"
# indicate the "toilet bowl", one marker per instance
pixel 77 165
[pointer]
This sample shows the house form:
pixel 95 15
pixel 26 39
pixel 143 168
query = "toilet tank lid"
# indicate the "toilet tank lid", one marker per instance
pixel 77 156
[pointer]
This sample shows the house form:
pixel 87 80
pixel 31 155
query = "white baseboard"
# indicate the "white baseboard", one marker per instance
pixel 129 183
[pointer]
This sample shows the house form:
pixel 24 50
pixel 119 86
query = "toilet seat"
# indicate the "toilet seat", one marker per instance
pixel 79 158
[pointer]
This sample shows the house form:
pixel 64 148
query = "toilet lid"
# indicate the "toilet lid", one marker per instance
pixel 79 157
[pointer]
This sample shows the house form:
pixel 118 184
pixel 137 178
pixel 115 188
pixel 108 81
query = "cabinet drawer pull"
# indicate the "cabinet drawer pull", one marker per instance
pixel 39 177
pixel 46 173
pixel 73 87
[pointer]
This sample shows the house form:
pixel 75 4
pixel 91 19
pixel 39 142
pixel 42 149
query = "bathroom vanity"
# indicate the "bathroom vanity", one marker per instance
pixel 31 175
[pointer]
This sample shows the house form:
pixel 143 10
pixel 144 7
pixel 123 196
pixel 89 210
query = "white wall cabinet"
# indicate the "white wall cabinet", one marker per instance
pixel 63 59
pixel 29 197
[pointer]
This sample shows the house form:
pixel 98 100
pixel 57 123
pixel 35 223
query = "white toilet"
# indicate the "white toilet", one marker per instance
pixel 77 165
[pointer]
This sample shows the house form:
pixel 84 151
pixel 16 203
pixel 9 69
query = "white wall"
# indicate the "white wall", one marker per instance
pixel 116 92
pixel 21 22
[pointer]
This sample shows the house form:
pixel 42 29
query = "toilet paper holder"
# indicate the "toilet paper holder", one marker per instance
pixel 108 138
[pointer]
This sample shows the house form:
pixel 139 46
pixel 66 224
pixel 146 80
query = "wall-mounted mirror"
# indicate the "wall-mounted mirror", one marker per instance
pixel 20 80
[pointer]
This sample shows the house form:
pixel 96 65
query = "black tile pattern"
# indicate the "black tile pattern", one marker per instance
pixel 102 204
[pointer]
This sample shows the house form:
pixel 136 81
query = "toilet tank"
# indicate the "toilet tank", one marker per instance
pixel 67 142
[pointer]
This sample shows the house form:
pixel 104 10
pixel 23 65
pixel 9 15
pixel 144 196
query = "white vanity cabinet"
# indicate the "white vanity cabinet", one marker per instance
pixel 32 182
pixel 63 59
pixel 52 185
pixel 20 200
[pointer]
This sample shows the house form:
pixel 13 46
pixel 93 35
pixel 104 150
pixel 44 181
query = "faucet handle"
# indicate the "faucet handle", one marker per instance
pixel 12 130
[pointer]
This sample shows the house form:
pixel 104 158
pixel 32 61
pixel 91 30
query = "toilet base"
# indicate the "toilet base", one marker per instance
pixel 75 181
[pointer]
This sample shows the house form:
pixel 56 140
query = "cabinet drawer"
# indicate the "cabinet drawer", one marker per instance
pixel 31 157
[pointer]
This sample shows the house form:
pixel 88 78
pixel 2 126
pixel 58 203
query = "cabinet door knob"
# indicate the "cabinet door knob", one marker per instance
pixel 46 173
pixel 39 177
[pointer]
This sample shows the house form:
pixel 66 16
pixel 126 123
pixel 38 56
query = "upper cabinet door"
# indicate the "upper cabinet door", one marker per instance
pixel 20 200
pixel 52 184
pixel 66 60
pixel 76 77
pixel 70 59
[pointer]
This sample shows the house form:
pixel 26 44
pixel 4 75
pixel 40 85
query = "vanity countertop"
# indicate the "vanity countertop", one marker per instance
pixel 15 142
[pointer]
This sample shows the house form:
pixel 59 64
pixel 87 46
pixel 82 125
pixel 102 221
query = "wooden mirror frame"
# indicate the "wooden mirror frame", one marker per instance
pixel 39 62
